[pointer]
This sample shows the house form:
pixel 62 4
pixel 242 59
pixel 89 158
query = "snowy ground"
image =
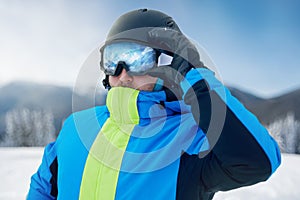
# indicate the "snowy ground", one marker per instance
pixel 17 165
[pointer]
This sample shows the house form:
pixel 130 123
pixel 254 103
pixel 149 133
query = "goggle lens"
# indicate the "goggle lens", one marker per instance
pixel 138 58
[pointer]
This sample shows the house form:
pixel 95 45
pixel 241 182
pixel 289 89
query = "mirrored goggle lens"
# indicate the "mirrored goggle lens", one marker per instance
pixel 138 58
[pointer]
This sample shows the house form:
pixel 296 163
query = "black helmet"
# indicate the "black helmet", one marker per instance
pixel 142 18
pixel 135 26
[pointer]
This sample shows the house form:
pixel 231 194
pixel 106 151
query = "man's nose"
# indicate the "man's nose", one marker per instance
pixel 124 77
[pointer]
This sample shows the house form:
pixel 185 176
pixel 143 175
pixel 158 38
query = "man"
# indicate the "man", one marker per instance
pixel 168 130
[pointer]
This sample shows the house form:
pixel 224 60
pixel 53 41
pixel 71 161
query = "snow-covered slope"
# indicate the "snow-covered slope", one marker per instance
pixel 17 165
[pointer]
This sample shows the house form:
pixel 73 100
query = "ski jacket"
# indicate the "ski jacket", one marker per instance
pixel 140 146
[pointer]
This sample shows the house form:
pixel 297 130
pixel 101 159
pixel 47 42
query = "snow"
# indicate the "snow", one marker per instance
pixel 18 164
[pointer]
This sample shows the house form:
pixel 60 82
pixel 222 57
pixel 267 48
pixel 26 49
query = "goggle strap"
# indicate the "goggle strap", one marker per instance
pixel 121 65
pixel 105 82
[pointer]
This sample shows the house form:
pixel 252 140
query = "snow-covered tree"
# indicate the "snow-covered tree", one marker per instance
pixel 286 132
pixel 25 127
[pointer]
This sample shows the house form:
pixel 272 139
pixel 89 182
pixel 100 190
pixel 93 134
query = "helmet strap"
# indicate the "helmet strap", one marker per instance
pixel 105 82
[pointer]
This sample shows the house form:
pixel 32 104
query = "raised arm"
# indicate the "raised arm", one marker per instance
pixel 241 150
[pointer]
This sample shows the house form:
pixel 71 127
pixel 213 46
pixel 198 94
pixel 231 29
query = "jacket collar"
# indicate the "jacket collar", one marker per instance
pixel 127 105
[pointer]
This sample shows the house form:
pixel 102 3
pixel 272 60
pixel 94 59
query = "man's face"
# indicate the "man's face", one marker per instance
pixel 145 82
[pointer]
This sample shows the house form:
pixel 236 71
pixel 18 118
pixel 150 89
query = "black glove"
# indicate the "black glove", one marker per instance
pixel 185 56
pixel 197 93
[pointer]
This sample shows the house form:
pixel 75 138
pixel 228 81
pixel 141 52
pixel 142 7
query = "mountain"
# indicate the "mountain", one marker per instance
pixel 57 99
pixel 62 101
pixel 279 107
pixel 269 110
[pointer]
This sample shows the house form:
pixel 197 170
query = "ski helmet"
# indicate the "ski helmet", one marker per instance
pixel 141 18
pixel 135 25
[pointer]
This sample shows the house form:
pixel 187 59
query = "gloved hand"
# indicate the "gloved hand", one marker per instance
pixel 195 86
pixel 185 55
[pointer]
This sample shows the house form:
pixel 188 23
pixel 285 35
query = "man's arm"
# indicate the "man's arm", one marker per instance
pixel 241 150
pixel 43 184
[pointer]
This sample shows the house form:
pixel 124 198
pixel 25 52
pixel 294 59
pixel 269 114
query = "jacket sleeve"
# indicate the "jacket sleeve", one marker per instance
pixel 43 184
pixel 241 151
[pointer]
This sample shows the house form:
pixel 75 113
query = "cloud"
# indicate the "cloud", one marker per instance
pixel 45 41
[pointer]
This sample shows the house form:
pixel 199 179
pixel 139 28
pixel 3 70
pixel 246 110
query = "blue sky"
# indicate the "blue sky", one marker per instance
pixel 255 45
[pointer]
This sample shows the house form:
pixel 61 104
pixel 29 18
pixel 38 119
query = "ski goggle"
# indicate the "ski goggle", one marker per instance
pixel 135 58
